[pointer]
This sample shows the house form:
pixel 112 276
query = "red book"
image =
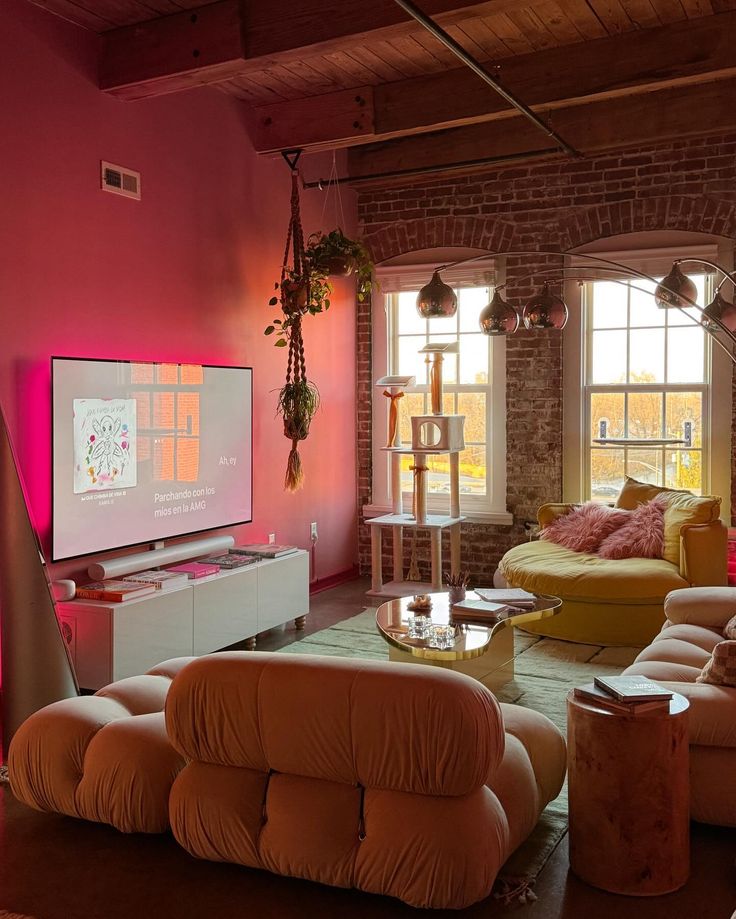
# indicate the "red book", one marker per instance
pixel 195 569
pixel 115 591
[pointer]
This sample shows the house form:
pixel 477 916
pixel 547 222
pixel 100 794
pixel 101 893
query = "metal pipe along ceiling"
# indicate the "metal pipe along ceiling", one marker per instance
pixel 449 42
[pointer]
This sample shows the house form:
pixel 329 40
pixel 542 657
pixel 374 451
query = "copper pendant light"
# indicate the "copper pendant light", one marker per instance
pixel 721 309
pixel 671 290
pixel 498 317
pixel 545 310
pixel 436 300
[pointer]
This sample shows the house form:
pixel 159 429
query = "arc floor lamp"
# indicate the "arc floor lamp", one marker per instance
pixel 547 310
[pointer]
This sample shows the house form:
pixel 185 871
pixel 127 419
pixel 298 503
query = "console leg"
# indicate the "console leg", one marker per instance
pixel 250 643
pixel 300 622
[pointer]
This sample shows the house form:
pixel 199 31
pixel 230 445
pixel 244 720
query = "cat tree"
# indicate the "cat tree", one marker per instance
pixel 431 435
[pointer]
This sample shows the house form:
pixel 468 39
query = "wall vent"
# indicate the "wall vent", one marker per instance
pixel 120 181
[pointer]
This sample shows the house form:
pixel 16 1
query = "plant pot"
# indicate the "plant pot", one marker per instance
pixel 340 266
pixel 294 295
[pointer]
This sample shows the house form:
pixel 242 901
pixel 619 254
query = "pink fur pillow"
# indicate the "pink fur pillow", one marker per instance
pixel 584 528
pixel 641 536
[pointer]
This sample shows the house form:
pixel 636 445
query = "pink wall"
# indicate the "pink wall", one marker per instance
pixel 183 275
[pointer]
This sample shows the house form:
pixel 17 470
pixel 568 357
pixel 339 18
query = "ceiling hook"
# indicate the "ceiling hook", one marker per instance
pixel 292 158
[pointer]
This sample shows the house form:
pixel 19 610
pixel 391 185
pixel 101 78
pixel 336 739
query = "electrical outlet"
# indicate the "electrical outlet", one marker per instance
pixel 271 538
pixel 313 530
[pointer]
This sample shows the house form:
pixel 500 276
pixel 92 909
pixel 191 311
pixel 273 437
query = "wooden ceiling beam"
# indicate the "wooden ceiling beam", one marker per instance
pixel 215 42
pixel 637 62
pixel 612 124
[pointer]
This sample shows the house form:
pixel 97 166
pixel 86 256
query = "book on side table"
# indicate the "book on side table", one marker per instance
pixel 598 696
pixel 633 688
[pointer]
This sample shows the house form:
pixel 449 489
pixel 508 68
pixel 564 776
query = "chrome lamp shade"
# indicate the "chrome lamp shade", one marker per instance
pixel 436 300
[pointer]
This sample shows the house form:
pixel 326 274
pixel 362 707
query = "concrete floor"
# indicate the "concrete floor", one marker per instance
pixel 59 868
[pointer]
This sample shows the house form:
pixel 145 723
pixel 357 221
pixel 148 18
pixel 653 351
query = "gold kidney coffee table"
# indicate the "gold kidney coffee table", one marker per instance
pixel 485 652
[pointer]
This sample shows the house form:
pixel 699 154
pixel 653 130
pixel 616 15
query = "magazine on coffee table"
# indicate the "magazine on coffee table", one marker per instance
pixel 511 596
pixel 480 611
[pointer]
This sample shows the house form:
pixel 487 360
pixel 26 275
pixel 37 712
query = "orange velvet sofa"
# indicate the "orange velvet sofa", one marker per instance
pixel 408 781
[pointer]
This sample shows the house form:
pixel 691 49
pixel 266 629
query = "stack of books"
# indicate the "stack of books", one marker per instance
pixel 159 580
pixel 113 591
pixel 195 569
pixel 228 561
pixel 629 695
pixel 264 550
pixel 479 611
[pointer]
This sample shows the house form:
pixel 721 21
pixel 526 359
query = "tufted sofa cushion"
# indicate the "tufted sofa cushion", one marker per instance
pixel 391 778
pixel 318 718
pixel 105 757
pixel 675 658
pixel 395 779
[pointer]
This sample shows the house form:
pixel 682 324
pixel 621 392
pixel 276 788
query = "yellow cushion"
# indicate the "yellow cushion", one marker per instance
pixel 684 508
pixel 635 493
pixel 544 567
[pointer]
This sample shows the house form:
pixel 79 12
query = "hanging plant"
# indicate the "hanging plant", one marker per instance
pixel 301 291
pixel 336 254
pixel 298 294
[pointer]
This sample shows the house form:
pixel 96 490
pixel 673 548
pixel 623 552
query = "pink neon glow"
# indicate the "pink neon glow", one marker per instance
pixel 184 275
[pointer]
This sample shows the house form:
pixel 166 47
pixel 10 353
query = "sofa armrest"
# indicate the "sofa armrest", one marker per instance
pixel 710 719
pixel 703 549
pixel 711 607
pixel 547 513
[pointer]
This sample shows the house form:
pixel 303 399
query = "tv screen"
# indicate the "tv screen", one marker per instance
pixel 146 451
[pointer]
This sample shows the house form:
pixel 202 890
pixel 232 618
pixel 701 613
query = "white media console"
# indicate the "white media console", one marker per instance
pixel 110 641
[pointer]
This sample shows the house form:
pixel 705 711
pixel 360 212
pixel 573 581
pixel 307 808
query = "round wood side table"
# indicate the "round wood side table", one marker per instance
pixel 629 792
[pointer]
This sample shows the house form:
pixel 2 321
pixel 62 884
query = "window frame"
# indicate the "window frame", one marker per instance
pixel 716 421
pixel 490 508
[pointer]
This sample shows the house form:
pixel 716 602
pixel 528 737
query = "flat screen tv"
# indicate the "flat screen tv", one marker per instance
pixel 147 451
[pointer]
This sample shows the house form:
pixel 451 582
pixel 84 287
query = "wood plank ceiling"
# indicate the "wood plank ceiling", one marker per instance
pixel 318 74
pixel 530 27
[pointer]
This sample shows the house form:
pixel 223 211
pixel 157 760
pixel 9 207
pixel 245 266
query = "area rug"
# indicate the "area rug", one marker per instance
pixel 545 670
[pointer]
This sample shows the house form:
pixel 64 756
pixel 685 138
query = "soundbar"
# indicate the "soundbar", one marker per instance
pixel 154 558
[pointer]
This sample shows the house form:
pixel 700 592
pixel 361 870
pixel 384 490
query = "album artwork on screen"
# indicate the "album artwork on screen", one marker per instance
pixel 144 451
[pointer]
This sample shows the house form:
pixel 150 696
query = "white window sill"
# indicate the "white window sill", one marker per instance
pixel 491 518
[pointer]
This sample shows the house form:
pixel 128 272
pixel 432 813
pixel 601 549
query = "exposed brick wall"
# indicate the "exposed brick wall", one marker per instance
pixel 689 185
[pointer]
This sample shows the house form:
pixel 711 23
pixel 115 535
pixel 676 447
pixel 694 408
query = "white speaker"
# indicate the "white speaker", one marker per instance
pixel 154 558
pixel 63 590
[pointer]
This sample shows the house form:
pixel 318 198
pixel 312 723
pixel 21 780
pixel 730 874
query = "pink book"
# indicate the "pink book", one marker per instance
pixel 195 569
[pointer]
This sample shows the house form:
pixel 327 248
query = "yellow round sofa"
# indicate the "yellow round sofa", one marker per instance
pixel 621 601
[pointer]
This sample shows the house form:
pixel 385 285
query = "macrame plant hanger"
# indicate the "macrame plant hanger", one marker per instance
pixel 333 187
pixel 295 297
